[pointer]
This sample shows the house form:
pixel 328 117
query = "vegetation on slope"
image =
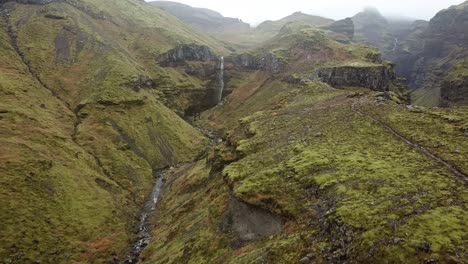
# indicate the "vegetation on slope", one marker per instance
pixel 81 136
pixel 325 161
pixel 202 19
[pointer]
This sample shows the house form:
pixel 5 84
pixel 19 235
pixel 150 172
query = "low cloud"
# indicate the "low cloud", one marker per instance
pixel 255 11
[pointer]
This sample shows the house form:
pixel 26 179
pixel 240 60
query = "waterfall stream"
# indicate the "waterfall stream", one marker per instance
pixel 220 80
pixel 143 234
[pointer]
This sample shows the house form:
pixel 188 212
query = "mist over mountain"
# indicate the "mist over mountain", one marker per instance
pixel 136 132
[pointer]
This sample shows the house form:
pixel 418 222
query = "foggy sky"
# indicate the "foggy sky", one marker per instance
pixel 255 11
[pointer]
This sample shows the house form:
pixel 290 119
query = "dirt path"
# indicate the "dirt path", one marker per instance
pixel 415 145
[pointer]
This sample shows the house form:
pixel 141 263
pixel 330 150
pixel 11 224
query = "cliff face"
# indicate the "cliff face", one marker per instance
pixel 442 64
pixel 377 78
pixel 454 89
pixel 191 52
pixel 425 53
pixel 266 62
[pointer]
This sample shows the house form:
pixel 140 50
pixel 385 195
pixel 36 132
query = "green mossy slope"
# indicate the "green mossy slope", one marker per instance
pixel 80 145
pixel 348 188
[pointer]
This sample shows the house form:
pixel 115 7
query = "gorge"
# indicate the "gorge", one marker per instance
pixel 142 132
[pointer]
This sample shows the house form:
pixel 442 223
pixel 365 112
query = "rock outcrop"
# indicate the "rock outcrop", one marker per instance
pixel 376 78
pixel 267 62
pixel 190 52
pixel 445 44
pixel 424 53
pixel 454 89
pixel 249 222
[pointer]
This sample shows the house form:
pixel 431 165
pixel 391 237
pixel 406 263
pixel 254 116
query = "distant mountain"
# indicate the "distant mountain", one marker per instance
pixel 203 19
pixel 430 55
pixel 275 26
pixel 442 64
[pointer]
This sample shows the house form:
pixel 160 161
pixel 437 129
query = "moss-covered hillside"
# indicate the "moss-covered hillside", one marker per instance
pixel 308 173
pixel 330 165
pixel 82 133
pixel 311 156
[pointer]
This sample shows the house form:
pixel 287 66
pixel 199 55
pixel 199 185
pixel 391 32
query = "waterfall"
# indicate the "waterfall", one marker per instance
pixel 395 44
pixel 220 80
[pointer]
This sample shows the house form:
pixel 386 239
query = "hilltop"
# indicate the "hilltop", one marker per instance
pixel 202 19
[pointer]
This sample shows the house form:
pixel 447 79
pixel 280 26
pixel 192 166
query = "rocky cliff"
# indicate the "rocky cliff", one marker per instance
pixel 454 89
pixel 183 53
pixel 445 49
pixel 424 53
pixel 265 62
pixel 377 78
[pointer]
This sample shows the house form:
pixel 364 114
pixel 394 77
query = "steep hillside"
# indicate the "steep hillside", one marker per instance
pixel 312 172
pixel 128 137
pixel 429 55
pixel 83 125
pixel 203 19
pixel 437 68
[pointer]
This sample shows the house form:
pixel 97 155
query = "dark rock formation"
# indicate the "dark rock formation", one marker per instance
pixel 202 71
pixel 191 52
pixel 249 222
pixel 429 51
pixel 267 62
pixel 343 27
pixel 376 78
pixel 454 91
pixel 62 48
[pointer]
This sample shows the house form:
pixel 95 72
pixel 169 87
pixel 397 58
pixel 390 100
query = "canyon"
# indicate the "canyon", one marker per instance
pixel 135 132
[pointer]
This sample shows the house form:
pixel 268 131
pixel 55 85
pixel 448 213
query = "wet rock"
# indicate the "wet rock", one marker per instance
pixel 190 52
